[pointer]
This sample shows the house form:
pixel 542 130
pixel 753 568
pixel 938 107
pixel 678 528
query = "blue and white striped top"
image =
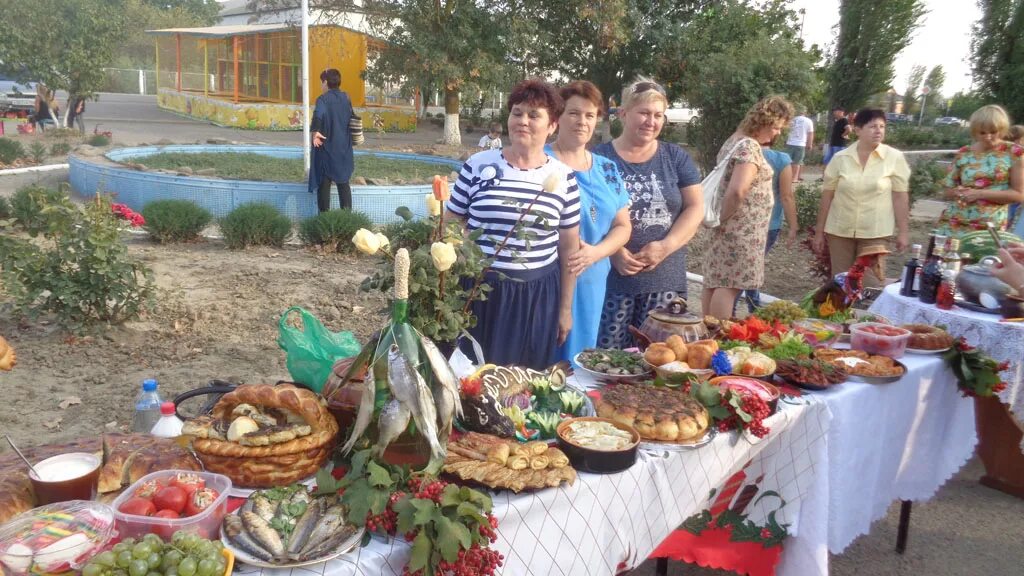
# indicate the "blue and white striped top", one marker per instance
pixel 492 195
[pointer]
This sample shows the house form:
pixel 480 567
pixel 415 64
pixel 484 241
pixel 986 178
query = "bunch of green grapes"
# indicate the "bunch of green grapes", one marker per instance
pixel 186 555
pixel 784 311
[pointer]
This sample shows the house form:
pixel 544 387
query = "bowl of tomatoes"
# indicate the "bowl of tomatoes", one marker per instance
pixel 168 501
pixel 881 339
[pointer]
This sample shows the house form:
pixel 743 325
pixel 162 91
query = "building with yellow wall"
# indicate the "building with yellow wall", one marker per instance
pixel 250 76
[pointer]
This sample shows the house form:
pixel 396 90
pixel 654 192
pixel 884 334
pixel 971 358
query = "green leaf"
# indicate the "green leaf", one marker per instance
pixel 421 550
pixel 470 510
pixel 379 500
pixel 357 497
pixel 425 510
pixel 475 496
pixel 450 496
pixel 378 475
pixel 406 512
pixel 451 536
pixel 404 213
pixel 357 464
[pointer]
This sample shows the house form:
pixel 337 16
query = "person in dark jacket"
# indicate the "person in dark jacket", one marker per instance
pixel 331 160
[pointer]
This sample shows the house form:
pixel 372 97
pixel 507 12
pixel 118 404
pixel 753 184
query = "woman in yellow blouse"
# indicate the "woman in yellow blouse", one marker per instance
pixel 865 197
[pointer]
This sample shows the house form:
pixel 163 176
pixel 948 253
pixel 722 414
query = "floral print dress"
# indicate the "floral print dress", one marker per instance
pixel 978 170
pixel 737 245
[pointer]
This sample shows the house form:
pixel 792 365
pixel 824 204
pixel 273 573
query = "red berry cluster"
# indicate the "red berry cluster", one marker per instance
pixel 387 521
pixel 477 561
pixel 754 406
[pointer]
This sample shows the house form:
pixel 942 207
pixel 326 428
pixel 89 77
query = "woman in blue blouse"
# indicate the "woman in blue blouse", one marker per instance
pixel 604 210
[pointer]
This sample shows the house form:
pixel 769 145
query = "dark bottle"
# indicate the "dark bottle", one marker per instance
pixel 931 274
pixel 909 280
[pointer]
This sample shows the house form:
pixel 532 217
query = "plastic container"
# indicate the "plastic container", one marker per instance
pixel 169 425
pixel 818 332
pixel 206 523
pixel 147 407
pixel 881 339
pixel 55 538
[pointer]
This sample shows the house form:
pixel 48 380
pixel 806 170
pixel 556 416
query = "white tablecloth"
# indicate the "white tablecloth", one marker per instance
pixel 878 444
pixel 1003 341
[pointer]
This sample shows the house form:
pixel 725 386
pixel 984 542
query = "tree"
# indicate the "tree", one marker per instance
pixel 914 80
pixel 997 53
pixel 963 104
pixel 871 34
pixel 62 44
pixel 136 48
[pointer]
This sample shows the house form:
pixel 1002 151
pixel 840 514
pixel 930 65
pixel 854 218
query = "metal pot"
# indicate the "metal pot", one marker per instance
pixel 673 319
pixel 977 284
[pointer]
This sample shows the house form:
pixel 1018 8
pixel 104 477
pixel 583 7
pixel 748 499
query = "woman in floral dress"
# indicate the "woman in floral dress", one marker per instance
pixel 736 261
pixel 986 177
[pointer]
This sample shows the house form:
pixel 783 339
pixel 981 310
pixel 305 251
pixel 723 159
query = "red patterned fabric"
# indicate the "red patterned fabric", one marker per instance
pixel 714 549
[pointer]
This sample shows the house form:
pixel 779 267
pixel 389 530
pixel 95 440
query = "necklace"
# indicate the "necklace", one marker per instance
pixel 590 199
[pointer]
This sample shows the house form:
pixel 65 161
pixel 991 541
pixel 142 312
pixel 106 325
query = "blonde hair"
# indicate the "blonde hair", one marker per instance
pixel 768 112
pixel 992 117
pixel 643 90
pixel 1017 133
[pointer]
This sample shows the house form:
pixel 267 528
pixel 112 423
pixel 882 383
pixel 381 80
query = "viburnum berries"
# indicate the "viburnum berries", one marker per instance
pixel 751 405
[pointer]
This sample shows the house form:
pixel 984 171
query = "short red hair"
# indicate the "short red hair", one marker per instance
pixel 539 94
pixel 586 90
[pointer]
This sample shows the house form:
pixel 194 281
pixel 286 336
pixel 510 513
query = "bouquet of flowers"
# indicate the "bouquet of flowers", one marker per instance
pixel 977 373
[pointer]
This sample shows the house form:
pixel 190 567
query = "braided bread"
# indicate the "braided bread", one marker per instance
pixel 273 464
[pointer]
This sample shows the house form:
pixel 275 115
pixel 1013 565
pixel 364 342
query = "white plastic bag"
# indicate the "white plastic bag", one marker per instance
pixel 711 185
pixel 460 363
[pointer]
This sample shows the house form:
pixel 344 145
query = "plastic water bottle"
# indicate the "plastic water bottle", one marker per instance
pixel 169 425
pixel 147 408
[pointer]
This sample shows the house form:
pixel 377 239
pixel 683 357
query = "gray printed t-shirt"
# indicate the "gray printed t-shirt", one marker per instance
pixel 655 203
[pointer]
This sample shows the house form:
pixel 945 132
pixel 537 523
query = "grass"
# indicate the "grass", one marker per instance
pixel 251 166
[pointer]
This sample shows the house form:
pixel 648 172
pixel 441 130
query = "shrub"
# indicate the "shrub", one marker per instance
pixel 255 224
pixel 616 127
pixel 175 220
pixel 926 180
pixel 808 197
pixel 60 149
pixel 98 140
pixel 37 151
pixel 10 150
pixel 27 206
pixel 5 208
pixel 408 234
pixel 83 274
pixel 334 229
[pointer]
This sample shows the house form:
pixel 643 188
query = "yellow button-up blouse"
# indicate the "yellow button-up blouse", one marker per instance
pixel 862 204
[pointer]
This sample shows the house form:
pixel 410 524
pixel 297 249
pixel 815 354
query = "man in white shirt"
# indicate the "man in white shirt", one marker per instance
pixel 800 141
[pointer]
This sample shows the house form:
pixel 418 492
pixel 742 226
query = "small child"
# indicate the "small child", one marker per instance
pixel 492 140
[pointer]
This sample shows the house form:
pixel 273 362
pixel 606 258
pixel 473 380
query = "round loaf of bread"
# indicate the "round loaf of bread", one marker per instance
pixel 927 337
pixel 274 464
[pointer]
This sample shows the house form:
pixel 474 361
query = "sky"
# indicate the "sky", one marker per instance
pixel 943 37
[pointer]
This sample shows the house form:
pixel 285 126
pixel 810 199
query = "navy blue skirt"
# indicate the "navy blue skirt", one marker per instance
pixel 518 323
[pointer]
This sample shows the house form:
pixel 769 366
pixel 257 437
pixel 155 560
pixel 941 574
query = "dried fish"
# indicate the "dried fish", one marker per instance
pixel 262 533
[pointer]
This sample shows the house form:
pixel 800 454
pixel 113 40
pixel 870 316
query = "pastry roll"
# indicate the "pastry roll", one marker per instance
pixel 518 462
pixel 557 457
pixel 537 448
pixel 539 462
pixel 498 454
pixel 521 450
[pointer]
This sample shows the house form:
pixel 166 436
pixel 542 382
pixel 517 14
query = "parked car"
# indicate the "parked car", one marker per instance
pixel 20 96
pixel 678 113
pixel 950 121
pixel 894 118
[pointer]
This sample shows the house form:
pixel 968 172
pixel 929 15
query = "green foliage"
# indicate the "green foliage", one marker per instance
pixel 37 151
pixel 255 224
pixel 81 272
pixel 175 220
pixel 963 104
pixel 912 137
pixel 60 149
pixel 616 127
pixel 408 234
pixel 871 34
pixel 98 140
pixel 334 229
pixel 927 180
pixel 910 95
pixel 997 54
pixel 808 198
pixel 5 208
pixel 10 150
pixel 62 44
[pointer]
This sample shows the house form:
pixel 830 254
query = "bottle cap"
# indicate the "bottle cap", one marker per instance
pixel 167 409
pixel 149 385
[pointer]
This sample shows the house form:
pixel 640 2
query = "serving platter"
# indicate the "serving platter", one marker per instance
pixel 244 557
pixel 922 352
pixel 879 379
pixel 658 445
pixel 605 377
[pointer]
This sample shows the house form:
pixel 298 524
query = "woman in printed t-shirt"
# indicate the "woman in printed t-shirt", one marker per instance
pixel 528 312
pixel 666 208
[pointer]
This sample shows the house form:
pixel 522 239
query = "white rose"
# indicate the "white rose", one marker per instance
pixel 382 240
pixel 366 242
pixel 433 205
pixel 443 255
pixel 552 182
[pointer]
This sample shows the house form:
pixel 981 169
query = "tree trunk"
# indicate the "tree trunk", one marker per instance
pixel 452 134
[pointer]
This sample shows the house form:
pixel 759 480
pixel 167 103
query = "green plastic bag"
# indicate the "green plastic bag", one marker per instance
pixel 313 350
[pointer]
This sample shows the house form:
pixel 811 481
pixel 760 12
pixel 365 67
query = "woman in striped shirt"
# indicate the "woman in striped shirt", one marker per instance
pixel 526 206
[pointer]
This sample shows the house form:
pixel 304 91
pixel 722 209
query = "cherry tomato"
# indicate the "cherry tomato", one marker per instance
pixel 138 507
pixel 200 500
pixel 170 498
pixel 148 489
pixel 188 481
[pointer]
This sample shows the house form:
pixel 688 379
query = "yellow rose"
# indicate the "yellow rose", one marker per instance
pixel 433 205
pixel 443 255
pixel 366 241
pixel 382 240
